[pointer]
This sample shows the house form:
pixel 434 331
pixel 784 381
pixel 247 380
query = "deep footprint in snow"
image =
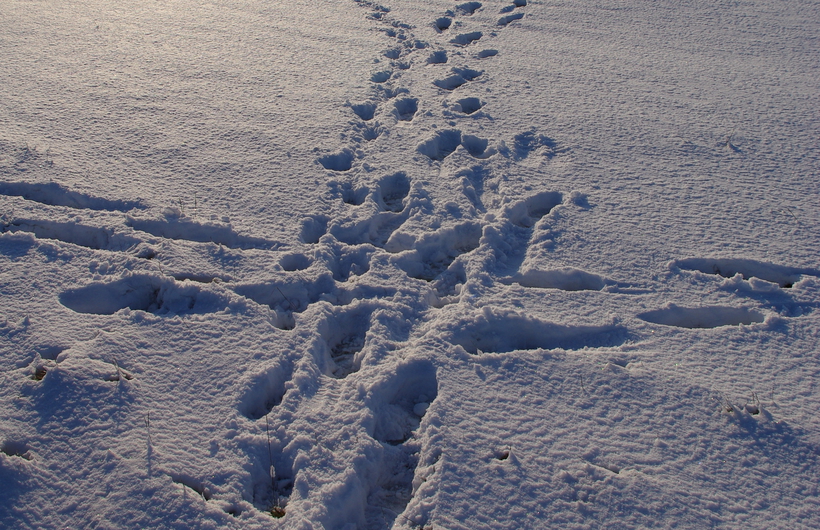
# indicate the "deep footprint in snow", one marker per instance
pixel 75 234
pixel 392 190
pixel 728 267
pixel 313 228
pixel 365 111
pixel 142 292
pixel 402 401
pixel 441 145
pixel 460 77
pixel 468 8
pixel 702 317
pixel 264 391
pixel 398 404
pixel 345 332
pixel 341 161
pixel 503 21
pixel 434 254
pixel 464 39
pixel 526 213
pixel 53 194
pixel 188 230
pixel 406 108
pixel 442 23
pixel 294 262
pixel 469 105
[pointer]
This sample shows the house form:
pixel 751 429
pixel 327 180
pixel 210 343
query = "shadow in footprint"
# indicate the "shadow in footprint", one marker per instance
pixel 702 317
pixel 441 145
pixel 530 210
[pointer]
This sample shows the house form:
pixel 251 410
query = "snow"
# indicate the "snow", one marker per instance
pixel 342 264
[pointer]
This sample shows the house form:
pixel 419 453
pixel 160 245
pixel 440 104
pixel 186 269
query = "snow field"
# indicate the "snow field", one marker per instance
pixel 455 282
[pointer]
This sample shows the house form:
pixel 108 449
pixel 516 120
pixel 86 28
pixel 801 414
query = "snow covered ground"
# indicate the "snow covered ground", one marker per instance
pixel 423 265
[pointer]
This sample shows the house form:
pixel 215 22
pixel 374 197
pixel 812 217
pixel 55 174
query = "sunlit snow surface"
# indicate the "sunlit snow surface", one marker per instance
pixel 423 265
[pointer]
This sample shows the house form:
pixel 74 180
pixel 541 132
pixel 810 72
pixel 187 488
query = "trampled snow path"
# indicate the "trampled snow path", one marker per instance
pixel 457 322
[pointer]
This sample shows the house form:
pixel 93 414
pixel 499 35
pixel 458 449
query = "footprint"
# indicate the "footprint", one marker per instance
pixel 264 391
pixel 398 406
pixel 345 261
pixel 443 23
pixel 520 3
pixel 565 279
pixel 437 57
pixel 365 111
pixel 441 145
pixel 435 253
pixel 483 54
pixel 460 77
pixel 16 449
pixel 728 267
pixel 354 197
pixel 76 234
pixel 464 39
pixel 313 228
pixel 142 292
pixel 53 194
pixel 381 76
pixel 194 484
pixel 502 331
pixel 476 146
pixel 527 142
pixel 406 108
pixel 345 332
pixel 294 262
pixel 503 21
pixel 468 8
pixel 469 105
pixel 400 402
pixel 702 317
pixel 288 295
pixel 392 191
pixel 187 230
pixel 527 212
pixel 341 161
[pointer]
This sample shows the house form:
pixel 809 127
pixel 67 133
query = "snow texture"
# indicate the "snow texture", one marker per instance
pixel 344 264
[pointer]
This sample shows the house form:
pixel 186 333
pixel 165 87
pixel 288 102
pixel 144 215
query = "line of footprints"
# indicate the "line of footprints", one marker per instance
pixel 364 316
